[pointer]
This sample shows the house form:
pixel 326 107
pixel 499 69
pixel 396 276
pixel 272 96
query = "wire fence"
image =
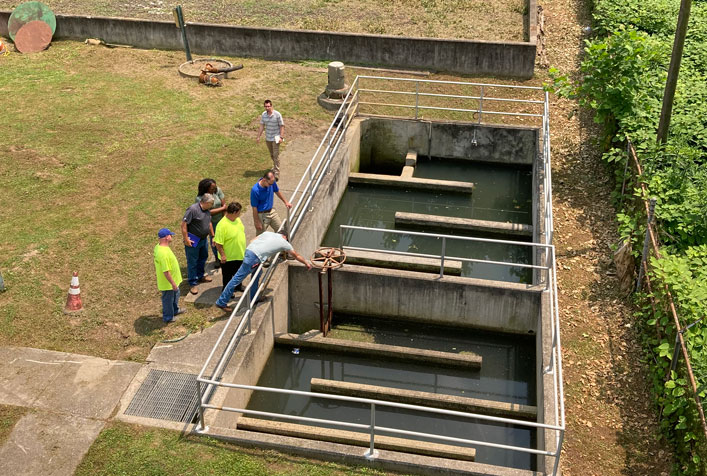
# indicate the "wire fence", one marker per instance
pixel 651 246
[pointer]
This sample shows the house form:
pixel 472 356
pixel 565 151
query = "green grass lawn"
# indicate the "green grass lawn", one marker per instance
pixel 100 148
pixel 127 450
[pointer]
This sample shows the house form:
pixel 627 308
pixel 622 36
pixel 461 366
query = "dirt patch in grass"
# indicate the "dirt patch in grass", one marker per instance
pixel 128 449
pixel 500 20
pixel 9 415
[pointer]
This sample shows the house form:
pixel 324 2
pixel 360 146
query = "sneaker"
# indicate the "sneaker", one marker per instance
pixel 227 309
pixel 181 310
pixel 194 290
pixel 205 279
pixel 240 288
pixel 167 321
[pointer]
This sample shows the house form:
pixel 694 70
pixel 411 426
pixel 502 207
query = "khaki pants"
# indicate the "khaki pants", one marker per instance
pixel 271 219
pixel 274 150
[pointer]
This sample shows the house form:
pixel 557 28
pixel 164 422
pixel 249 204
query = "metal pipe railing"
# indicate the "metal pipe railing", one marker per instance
pixel 301 200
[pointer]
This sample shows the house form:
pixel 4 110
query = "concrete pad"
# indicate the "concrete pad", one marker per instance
pixel 47 444
pixel 206 290
pixel 90 389
pixel 77 384
pixel 25 373
pixel 315 339
pixel 412 183
pixel 357 439
pixel 435 400
pixel 463 224
pixel 410 263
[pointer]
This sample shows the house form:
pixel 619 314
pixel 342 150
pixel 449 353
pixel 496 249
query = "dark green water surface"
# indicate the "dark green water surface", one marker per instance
pixel 501 193
pixel 375 207
pixel 507 374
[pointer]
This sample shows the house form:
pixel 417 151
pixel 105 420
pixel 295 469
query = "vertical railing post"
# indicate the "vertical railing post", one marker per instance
pixel 558 451
pixel 444 250
pixel 417 96
pixel 201 427
pixel 341 238
pixel 371 453
pixel 646 243
pixel 481 103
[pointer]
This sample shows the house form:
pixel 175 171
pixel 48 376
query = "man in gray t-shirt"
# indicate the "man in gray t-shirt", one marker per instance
pixel 271 122
pixel 196 228
pixel 258 251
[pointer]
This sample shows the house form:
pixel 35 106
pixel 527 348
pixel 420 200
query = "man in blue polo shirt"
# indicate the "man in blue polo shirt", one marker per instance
pixel 261 199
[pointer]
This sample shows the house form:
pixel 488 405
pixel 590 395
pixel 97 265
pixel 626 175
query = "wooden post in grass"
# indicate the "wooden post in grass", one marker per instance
pixel 673 70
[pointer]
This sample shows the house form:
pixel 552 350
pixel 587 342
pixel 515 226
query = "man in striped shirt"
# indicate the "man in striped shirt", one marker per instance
pixel 273 125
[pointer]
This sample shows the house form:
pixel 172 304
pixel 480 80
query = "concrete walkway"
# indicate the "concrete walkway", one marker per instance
pixel 70 398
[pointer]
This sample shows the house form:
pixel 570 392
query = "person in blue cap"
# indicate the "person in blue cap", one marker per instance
pixel 169 275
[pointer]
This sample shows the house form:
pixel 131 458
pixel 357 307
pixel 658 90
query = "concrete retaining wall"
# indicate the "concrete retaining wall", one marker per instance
pixel 467 302
pixel 386 142
pixel 452 55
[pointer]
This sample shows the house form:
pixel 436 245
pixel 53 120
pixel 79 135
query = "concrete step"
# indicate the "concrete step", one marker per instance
pixel 409 263
pixel 463 224
pixel 427 399
pixel 315 340
pixel 356 439
pixel 412 183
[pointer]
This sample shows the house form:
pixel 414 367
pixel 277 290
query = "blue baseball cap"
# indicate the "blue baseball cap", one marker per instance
pixel 164 232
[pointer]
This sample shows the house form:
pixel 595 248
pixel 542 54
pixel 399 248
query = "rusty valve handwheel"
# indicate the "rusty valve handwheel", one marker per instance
pixel 328 258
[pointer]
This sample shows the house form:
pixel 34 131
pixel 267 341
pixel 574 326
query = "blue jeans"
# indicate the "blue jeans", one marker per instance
pixel 196 260
pixel 249 260
pixel 170 304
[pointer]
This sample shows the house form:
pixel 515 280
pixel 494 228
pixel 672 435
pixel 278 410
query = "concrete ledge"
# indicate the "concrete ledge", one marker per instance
pixel 411 158
pixel 408 172
pixel 315 340
pixel 411 263
pixel 416 183
pixel 436 400
pixel 405 463
pixel 496 58
pixel 463 224
pixel 357 439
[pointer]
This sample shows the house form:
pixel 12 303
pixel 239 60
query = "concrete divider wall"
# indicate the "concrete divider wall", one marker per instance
pixel 385 142
pixel 465 302
pixel 451 55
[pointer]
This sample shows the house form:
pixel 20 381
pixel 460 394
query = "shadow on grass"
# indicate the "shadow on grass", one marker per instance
pixel 255 173
pixel 147 325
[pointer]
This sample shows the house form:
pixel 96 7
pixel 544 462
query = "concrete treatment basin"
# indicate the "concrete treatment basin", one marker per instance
pixel 503 312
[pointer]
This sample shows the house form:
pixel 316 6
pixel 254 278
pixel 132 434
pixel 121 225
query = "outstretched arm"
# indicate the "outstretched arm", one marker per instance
pixel 299 258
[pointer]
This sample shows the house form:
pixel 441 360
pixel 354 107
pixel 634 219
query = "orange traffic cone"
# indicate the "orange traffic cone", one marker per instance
pixel 73 300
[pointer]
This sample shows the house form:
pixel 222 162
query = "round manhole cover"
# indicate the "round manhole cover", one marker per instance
pixel 27 12
pixel 33 37
pixel 192 69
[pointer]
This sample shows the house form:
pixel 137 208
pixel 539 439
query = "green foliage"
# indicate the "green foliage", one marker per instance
pixel 623 76
pixel 686 277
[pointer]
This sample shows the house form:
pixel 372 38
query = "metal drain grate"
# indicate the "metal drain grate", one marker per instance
pixel 167 396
